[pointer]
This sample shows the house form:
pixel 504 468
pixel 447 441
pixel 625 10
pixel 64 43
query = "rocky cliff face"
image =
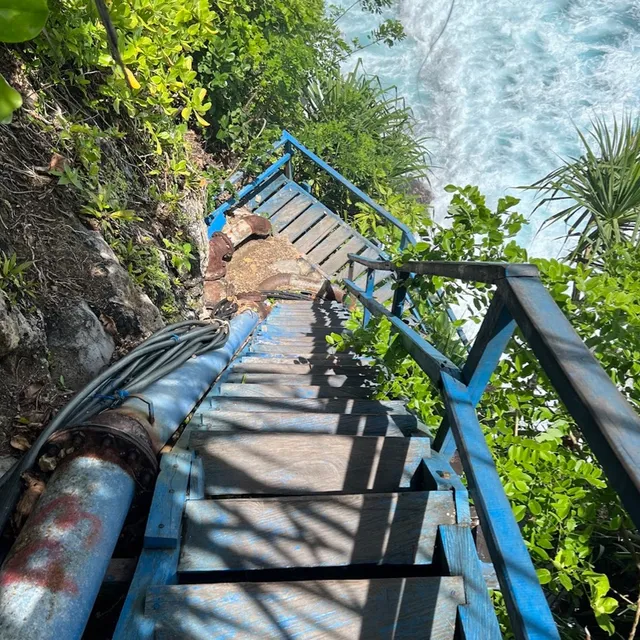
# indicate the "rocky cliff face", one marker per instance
pixel 91 290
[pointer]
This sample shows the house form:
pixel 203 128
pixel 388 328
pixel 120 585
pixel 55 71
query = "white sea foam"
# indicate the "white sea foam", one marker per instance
pixel 499 85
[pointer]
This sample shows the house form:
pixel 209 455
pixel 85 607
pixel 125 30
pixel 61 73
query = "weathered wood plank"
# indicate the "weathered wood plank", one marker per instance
pixel 239 390
pixel 155 567
pixel 302 224
pixel 283 463
pixel 335 262
pixel 325 360
pixel 313 531
pixel 339 381
pixel 319 320
pixel 341 359
pixel 313 312
pixel 163 526
pixel 294 340
pixel 329 405
pixel 288 330
pixel 301 369
pixel 196 481
pixel 278 200
pixel 323 250
pixel 299 349
pixel 290 211
pixel 290 422
pixel 384 609
pixel 266 192
pixel 310 239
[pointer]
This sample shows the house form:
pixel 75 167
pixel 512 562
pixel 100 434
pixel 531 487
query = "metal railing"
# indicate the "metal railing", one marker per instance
pixel 608 422
pixel 290 145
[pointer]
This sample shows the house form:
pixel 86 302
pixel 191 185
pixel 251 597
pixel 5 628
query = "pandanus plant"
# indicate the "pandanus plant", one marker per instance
pixel 601 190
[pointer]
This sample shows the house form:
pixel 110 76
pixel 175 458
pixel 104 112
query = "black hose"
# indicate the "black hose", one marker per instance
pixel 161 353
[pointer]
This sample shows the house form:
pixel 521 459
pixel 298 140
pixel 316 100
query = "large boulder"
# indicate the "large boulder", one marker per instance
pixel 79 346
pixel 116 295
pixel 18 331
pixel 192 210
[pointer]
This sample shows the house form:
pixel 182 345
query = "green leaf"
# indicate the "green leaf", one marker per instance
pixel 604 622
pixel 22 20
pixel 544 575
pixel 518 511
pixel 565 581
pixel 10 100
pixel 534 507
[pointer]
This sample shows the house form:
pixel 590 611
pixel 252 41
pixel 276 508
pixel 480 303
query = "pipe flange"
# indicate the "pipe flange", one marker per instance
pixel 124 446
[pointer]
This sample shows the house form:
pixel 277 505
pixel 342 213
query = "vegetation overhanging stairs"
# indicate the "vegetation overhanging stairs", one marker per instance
pixel 293 506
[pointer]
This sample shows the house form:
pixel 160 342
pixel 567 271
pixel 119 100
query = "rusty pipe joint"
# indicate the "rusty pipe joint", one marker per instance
pixel 220 251
pixel 123 436
pixel 240 228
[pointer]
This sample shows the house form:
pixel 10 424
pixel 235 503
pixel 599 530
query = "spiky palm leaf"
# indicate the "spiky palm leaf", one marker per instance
pixel 601 188
pixel 361 101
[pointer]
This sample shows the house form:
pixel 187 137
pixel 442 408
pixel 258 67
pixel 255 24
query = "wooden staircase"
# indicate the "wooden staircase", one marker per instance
pixel 306 509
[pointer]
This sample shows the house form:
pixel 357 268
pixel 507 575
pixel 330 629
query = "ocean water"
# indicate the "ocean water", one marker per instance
pixel 499 86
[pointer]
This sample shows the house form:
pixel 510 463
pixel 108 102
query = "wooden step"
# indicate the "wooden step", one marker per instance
pixel 317 303
pixel 339 381
pixel 240 390
pixel 326 360
pixel 273 367
pixel 278 200
pixel 383 609
pixel 266 192
pixel 339 259
pixel 313 531
pixel 304 405
pixel 292 330
pixel 304 326
pixel 311 343
pixel 304 222
pixel 318 319
pixel 290 464
pixel 278 335
pixel 304 244
pixel 318 348
pixel 290 422
pixel 290 212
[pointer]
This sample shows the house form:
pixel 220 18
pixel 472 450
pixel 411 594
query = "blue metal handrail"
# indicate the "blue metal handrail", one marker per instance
pixel 290 141
pixel 607 420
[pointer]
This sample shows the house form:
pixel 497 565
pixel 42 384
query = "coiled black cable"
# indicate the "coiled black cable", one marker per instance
pixel 151 360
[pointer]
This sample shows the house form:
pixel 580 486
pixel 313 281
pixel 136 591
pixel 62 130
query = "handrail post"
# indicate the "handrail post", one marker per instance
pixel 371 281
pixel 288 168
pixel 398 300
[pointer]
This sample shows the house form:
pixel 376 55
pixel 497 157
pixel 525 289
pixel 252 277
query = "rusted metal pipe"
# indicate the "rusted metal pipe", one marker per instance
pixel 240 228
pixel 220 250
pixel 52 575
pixel 53 572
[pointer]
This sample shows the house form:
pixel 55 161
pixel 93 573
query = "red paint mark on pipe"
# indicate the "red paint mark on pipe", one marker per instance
pixel 62 513
pixel 52 573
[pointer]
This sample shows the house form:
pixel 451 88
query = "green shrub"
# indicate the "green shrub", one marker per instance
pixel 576 530
pixel 365 131
pixel 259 64
pixel 600 190
pixel 20 20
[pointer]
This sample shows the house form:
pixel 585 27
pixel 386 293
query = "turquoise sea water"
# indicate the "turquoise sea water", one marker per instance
pixel 499 85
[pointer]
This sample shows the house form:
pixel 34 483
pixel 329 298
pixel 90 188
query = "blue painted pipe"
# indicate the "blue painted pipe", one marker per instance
pixel 52 575
pixel 174 396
